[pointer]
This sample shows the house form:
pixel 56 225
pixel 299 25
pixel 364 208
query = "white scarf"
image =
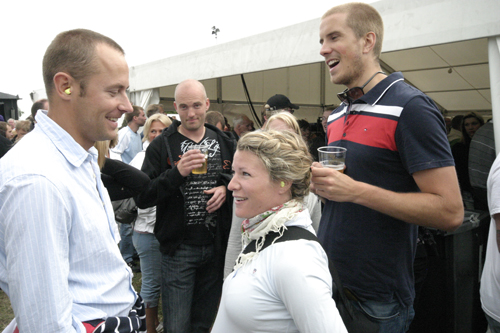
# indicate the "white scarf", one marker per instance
pixel 259 226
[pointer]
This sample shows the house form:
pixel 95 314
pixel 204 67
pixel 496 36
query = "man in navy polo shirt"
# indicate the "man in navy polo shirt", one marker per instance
pixel 399 170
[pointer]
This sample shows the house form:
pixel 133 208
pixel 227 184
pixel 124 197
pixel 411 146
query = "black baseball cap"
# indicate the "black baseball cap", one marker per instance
pixel 280 102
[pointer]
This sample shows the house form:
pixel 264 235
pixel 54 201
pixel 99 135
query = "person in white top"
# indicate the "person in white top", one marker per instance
pixel 490 280
pixel 145 242
pixel 286 287
pixel 282 121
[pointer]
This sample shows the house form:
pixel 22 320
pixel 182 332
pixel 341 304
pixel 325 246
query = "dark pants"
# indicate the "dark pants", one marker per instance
pixel 392 317
pixel 191 289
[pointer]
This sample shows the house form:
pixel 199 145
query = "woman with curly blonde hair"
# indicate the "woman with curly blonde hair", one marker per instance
pixel 286 287
pixel 282 121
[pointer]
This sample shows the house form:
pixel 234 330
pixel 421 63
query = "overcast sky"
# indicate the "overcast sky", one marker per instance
pixel 147 30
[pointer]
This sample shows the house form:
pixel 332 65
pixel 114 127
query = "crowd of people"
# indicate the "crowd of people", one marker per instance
pixel 211 201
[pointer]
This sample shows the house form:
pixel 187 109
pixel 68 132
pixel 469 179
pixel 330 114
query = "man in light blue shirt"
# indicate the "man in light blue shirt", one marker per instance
pixel 129 141
pixel 59 262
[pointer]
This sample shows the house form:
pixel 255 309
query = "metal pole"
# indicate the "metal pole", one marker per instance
pixel 494 61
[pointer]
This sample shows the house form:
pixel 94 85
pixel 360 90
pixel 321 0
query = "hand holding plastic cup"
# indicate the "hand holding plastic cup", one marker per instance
pixel 204 150
pixel 332 157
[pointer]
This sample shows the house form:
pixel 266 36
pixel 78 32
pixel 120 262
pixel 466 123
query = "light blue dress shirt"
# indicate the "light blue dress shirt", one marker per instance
pixel 59 260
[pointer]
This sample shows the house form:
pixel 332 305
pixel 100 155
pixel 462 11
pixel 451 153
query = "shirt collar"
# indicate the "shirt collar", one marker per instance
pixel 376 93
pixel 63 141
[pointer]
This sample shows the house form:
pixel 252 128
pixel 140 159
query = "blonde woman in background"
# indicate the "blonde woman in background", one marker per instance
pixel 284 121
pixel 143 238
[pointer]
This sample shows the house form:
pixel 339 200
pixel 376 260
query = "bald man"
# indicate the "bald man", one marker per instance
pixel 193 211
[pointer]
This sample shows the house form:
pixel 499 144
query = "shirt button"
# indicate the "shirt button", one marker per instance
pixel 343 135
pixel 347 123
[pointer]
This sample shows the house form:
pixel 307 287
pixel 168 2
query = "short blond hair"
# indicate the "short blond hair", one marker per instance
pixel 284 155
pixel 362 19
pixel 23 125
pixel 215 117
pixel 285 117
pixel 162 118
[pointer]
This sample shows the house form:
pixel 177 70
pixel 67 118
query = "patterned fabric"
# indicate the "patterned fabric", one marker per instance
pixel 134 323
pixel 259 226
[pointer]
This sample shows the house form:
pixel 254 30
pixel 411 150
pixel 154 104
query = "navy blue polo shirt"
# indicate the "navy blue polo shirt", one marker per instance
pixel 391 132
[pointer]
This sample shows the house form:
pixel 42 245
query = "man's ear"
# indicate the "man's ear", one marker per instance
pixel 63 85
pixel 369 42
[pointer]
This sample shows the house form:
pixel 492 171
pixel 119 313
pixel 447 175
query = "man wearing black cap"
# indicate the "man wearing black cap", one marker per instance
pixel 278 103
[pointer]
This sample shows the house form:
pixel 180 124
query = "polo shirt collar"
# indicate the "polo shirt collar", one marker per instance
pixel 376 93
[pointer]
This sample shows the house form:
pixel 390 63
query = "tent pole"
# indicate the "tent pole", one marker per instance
pixel 494 60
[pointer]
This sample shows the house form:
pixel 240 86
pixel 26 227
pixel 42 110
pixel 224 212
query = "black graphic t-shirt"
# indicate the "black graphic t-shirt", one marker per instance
pixel 201 224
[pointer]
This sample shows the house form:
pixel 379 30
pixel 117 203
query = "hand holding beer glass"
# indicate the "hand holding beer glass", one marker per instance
pixel 332 157
pixel 204 150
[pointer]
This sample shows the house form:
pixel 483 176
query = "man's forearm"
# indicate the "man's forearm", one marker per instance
pixel 425 209
pixel 438 204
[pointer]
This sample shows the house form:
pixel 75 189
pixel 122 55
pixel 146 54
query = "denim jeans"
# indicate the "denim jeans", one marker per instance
pixel 191 289
pixel 126 245
pixel 392 317
pixel 493 324
pixel 148 248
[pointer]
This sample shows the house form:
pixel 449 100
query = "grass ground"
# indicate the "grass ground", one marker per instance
pixel 7 314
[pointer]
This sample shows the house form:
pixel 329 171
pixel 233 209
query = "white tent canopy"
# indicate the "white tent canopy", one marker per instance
pixel 440 46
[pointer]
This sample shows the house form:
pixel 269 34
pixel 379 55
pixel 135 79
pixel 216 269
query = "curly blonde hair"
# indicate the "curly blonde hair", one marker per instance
pixel 284 155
